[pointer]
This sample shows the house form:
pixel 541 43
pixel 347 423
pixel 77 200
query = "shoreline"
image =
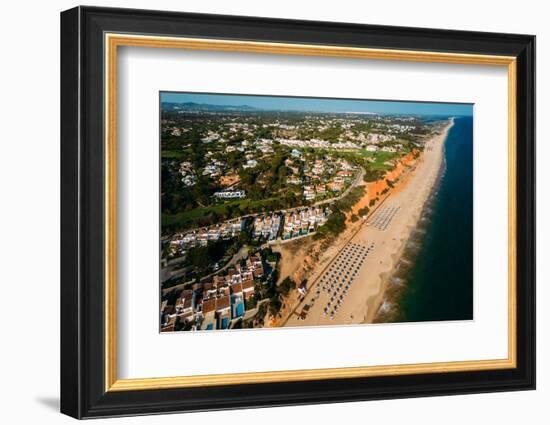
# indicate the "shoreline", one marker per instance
pixel 366 293
pixel 375 303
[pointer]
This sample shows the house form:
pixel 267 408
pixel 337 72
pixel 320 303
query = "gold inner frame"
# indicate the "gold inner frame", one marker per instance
pixel 113 41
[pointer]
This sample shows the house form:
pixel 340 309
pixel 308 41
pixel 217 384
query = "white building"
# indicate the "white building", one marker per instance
pixel 251 163
pixel 230 194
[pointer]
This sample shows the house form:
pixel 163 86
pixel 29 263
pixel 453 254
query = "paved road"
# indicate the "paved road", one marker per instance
pixel 240 255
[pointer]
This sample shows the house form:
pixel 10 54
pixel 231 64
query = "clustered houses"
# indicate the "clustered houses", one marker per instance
pixel 309 193
pixel 303 222
pixel 251 163
pixel 211 170
pixel 215 303
pixel 267 227
pixel 211 136
pixel 318 167
pixel 325 144
pixel 336 183
pixel 320 189
pixel 376 138
pixel 188 177
pixel 318 144
pixel 265 145
pixel 400 128
pixel 311 143
pixel 345 174
pixel 201 237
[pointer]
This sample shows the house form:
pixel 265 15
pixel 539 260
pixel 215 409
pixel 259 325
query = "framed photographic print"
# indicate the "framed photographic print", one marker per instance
pixel 261 212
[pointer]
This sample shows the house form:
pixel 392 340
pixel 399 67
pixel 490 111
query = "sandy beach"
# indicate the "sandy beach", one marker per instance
pixel 348 283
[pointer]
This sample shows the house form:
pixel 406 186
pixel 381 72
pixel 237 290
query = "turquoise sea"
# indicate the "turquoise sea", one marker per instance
pixel 434 279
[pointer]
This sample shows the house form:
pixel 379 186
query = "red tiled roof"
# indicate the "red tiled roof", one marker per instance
pixel 222 302
pixel 236 288
pixel 209 305
pixel 248 284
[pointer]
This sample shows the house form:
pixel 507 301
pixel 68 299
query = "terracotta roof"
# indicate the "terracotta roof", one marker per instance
pixel 222 302
pixel 236 288
pixel 209 305
pixel 224 290
pixel 248 284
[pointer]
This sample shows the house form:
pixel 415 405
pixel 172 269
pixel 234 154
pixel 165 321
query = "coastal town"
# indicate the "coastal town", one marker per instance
pixel 240 187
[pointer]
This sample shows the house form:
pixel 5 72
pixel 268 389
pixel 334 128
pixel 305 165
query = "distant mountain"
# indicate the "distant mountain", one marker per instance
pixel 192 106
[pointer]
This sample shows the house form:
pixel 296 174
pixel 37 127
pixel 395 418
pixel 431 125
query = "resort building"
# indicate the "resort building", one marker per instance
pixel 230 194
pixel 303 222
pixel 201 237
pixel 215 303
pixel 267 226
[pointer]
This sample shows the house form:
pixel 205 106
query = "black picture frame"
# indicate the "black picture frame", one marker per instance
pixel 83 392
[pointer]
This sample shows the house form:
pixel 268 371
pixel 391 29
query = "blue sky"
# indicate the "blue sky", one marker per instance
pixel 322 105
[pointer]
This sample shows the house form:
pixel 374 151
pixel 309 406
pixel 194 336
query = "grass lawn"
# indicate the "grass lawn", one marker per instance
pixel 380 158
pixel 242 207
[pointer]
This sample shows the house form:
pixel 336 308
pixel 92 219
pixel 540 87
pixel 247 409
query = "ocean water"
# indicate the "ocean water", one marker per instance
pixel 434 279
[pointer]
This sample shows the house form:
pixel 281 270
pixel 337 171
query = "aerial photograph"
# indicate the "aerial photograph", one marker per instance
pixel 300 211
